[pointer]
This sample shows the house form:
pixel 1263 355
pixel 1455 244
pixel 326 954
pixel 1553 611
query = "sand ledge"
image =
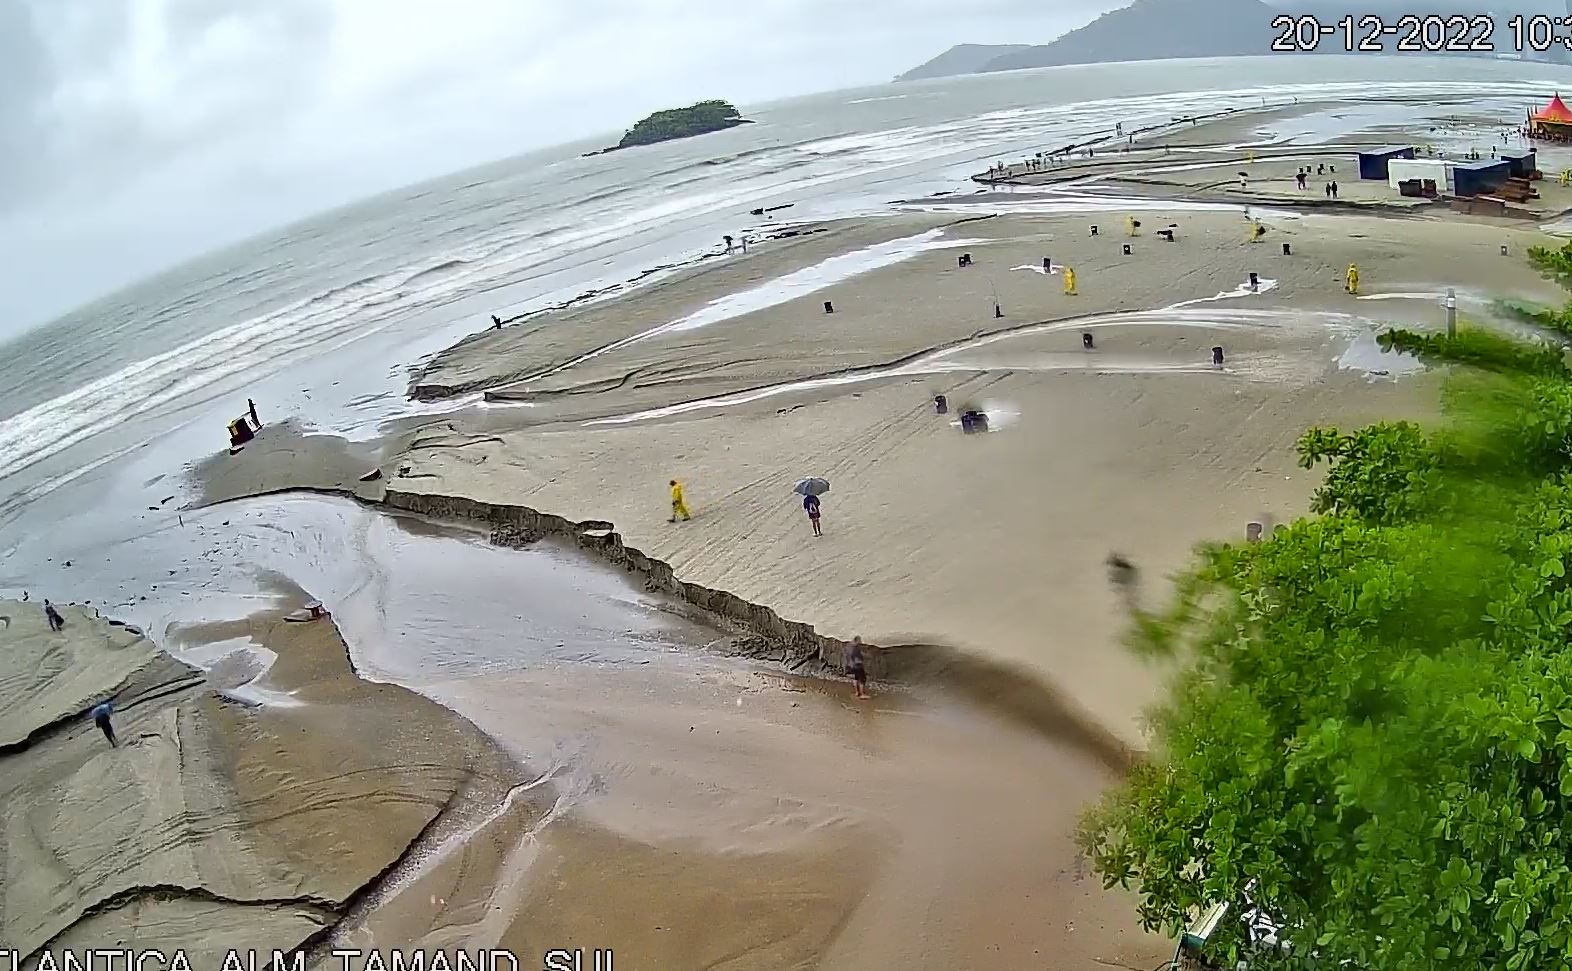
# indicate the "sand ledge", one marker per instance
pixel 210 818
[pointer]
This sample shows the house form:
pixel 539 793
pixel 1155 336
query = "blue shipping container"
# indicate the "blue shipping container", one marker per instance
pixel 1372 165
pixel 1479 178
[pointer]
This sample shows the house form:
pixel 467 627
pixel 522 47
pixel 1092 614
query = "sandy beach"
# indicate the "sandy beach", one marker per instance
pixel 209 825
pixel 541 715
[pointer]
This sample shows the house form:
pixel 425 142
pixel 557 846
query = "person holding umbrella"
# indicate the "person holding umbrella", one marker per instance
pixel 810 490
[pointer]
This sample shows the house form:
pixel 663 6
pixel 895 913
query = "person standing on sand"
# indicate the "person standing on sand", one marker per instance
pixel 101 714
pixel 857 669
pixel 811 504
pixel 679 506
pixel 53 616
pixel 251 408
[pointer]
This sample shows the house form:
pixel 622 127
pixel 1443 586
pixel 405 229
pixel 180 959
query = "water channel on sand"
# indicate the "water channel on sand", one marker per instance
pixel 695 805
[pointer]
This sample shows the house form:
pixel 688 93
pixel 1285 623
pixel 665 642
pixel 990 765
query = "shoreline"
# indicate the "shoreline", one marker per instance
pixel 810 245
pixel 699 791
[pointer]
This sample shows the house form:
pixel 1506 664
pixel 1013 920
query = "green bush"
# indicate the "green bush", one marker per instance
pixel 1374 721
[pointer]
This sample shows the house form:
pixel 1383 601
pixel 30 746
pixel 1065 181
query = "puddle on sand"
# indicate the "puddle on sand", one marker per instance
pixel 782 289
pixel 234 667
pixel 835 269
pixel 1364 354
pixel 950 360
pixel 1245 289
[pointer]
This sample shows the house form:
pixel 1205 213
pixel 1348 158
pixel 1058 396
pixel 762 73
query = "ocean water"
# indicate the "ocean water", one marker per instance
pixel 321 319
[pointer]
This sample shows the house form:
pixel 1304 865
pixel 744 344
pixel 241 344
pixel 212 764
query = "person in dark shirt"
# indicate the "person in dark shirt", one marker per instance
pixel 856 668
pixel 811 504
pixel 53 616
pixel 101 715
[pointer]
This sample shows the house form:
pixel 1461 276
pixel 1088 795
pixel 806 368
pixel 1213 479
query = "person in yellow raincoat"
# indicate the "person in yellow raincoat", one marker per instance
pixel 1069 282
pixel 679 506
pixel 1352 284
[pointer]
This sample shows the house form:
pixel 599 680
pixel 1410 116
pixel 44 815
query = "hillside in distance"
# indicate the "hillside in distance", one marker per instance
pixel 1162 29
pixel 962 59
pixel 1154 30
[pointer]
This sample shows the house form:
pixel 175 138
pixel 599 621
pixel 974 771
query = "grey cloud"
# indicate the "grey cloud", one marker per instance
pixel 136 133
pixel 127 86
pixel 24 81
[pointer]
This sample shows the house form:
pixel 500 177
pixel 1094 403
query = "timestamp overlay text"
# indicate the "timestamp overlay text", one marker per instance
pixel 1422 34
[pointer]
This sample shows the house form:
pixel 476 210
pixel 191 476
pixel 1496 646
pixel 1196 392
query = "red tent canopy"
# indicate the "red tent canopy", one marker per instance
pixel 1556 111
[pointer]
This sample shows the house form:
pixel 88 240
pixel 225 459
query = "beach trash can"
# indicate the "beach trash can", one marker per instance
pixel 1217 356
pixel 1255 283
pixel 941 404
pixel 1086 339
pixel 240 432
pixel 1288 250
pixel 829 307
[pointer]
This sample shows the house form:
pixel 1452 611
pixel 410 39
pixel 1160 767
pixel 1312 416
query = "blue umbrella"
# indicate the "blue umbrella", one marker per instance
pixel 812 487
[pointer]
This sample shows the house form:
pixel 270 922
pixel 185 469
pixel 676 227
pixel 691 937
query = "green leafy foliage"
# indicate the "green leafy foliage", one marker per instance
pixel 1558 321
pixel 1554 262
pixel 1373 723
pixel 706 116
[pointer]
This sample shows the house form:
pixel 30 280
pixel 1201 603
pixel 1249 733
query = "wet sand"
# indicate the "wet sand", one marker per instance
pixel 636 784
pixel 889 315
pixel 207 826
pixel 991 544
pixel 1204 163
pixel 682 807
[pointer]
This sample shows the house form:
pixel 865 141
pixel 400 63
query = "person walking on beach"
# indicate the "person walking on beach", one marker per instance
pixel 811 504
pixel 101 714
pixel 496 322
pixel 1334 190
pixel 53 616
pixel 679 506
pixel 856 668
pixel 251 409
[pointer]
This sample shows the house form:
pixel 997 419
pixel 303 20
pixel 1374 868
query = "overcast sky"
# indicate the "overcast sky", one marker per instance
pixel 138 133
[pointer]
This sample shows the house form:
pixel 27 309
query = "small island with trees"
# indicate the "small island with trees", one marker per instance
pixel 663 126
